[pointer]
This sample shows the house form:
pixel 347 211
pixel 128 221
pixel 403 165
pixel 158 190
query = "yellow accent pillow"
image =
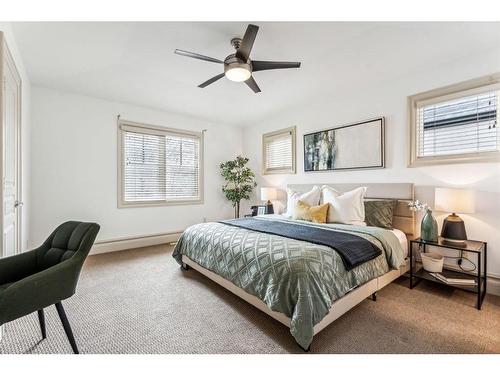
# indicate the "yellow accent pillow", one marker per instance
pixel 316 214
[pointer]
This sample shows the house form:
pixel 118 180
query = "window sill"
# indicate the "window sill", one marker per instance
pixel 160 203
pixel 278 171
pixel 456 159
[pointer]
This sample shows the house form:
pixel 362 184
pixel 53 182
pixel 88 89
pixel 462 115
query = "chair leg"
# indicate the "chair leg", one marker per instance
pixel 67 327
pixel 41 318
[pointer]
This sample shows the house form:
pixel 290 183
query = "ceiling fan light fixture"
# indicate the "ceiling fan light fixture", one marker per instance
pixel 238 74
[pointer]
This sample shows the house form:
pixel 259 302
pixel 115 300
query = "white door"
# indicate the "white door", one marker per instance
pixel 11 120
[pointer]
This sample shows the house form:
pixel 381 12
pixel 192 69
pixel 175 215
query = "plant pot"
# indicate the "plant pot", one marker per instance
pixel 429 228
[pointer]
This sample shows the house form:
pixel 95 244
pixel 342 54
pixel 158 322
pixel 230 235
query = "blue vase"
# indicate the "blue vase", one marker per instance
pixel 429 227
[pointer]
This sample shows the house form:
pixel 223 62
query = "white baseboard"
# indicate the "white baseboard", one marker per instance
pixel 134 242
pixel 125 243
pixel 493 286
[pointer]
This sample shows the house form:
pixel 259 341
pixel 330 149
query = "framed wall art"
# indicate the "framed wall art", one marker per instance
pixel 354 146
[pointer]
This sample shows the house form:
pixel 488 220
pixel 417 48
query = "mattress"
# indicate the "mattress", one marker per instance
pixel 403 240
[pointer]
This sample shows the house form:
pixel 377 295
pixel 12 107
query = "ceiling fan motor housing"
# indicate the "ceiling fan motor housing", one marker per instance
pixel 232 61
pixel 236 69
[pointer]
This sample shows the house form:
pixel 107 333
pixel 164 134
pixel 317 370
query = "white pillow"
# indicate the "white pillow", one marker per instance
pixel 310 197
pixel 346 208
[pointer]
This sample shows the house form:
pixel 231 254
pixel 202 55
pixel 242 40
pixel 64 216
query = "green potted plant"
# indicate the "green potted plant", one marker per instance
pixel 240 181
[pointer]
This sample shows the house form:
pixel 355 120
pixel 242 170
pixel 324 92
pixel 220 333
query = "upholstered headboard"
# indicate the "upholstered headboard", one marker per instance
pixel 403 217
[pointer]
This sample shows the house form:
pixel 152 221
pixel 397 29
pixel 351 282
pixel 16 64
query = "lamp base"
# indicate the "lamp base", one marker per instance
pixel 454 242
pixel 269 208
pixel 454 230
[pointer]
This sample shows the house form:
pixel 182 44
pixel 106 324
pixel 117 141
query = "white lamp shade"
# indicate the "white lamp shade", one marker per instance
pixel 461 201
pixel 268 193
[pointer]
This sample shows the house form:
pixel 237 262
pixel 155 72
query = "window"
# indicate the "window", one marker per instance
pixel 158 166
pixel 456 124
pixel 278 150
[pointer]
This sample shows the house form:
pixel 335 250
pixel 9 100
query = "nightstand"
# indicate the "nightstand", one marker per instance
pixel 478 248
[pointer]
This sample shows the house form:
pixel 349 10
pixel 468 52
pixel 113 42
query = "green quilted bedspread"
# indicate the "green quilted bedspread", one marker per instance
pixel 297 278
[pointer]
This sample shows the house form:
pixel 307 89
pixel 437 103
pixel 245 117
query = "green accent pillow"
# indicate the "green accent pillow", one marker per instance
pixel 379 213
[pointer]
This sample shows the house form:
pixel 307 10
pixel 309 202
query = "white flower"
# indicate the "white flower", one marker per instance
pixel 418 206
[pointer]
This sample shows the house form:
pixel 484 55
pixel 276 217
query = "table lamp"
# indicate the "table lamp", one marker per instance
pixel 455 201
pixel 268 194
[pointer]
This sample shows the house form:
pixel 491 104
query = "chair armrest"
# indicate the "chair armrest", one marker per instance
pixel 39 290
pixel 16 267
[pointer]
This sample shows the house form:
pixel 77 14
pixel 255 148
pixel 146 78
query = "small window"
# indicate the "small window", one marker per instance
pixel 279 151
pixel 456 124
pixel 158 166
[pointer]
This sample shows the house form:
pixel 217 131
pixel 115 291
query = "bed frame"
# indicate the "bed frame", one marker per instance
pixel 403 220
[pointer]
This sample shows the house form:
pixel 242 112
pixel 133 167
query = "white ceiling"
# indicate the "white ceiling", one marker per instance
pixel 134 62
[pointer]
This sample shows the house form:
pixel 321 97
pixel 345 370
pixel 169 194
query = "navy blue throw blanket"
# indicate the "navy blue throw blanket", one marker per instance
pixel 353 250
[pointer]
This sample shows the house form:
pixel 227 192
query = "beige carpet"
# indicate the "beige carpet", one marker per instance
pixel 139 301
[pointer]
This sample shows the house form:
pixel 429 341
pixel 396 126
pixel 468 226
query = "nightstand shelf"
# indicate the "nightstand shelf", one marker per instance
pixel 479 248
pixel 423 274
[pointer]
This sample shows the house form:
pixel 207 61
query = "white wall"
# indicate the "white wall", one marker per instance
pixel 389 99
pixel 74 167
pixel 74 158
pixel 25 132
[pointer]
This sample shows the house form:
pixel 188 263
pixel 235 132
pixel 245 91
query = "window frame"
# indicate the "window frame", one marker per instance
pixel 291 170
pixel 462 89
pixel 155 130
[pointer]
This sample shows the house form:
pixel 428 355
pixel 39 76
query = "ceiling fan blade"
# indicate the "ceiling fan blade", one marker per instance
pixel 247 43
pixel 268 65
pixel 253 85
pixel 211 80
pixel 197 56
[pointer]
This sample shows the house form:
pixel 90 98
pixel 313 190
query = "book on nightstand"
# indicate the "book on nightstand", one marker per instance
pixel 453 281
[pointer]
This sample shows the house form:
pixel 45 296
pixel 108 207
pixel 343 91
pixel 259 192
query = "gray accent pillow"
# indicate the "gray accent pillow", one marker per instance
pixel 379 213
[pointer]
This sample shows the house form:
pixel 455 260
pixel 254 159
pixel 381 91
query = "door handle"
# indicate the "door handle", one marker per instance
pixel 18 204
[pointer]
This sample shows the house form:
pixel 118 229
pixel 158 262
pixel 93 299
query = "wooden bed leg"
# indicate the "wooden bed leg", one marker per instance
pixel 374 297
pixel 185 267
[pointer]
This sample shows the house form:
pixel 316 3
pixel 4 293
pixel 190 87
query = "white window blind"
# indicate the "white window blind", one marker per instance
pixel 159 166
pixel 182 168
pixel 144 170
pixel 278 150
pixel 464 125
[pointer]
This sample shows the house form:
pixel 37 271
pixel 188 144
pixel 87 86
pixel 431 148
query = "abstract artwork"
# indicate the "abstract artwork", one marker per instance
pixel 355 146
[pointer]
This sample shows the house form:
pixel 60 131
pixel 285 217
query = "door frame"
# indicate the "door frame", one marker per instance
pixel 7 59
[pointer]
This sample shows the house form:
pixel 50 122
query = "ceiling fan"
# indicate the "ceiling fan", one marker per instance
pixel 238 66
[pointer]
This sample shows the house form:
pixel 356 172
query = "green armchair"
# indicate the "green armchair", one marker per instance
pixel 45 276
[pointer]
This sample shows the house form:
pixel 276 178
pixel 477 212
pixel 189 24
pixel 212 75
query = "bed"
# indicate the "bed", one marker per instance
pixel 304 285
